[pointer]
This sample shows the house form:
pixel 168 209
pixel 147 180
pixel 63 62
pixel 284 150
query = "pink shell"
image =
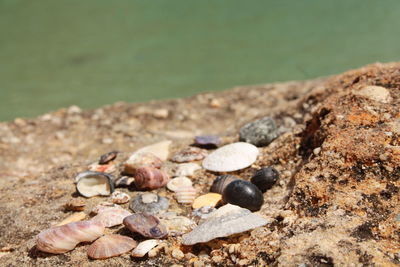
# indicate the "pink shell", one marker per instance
pixel 148 178
pixel 111 217
pixel 110 246
pixel 64 238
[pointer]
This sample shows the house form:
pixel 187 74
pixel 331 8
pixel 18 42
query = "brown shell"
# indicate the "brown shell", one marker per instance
pixel 148 178
pixel 110 246
pixel 145 224
pixel 221 182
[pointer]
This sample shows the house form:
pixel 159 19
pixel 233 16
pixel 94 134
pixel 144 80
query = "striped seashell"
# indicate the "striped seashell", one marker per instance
pixel 148 178
pixel 64 238
pixel 110 246
pixel 111 217
pixel 144 247
pixel 177 182
pixel 185 194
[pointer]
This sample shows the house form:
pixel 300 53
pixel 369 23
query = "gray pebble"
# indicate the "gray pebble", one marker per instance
pixel 260 132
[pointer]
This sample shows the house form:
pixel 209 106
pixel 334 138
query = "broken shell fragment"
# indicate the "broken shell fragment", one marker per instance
pixel 207 141
pixel 160 149
pixel 110 246
pixel 178 225
pixel 64 238
pixel 185 194
pixel 144 247
pixel 107 168
pixel 231 157
pixel 111 217
pixel 244 194
pixel 91 184
pixel 189 154
pixel 75 204
pixel 147 178
pixel 75 217
pixel 210 199
pixel 223 222
pixel 187 169
pixel 107 157
pixel 150 203
pixel 118 197
pixel 144 159
pixel 103 206
pixel 145 224
pixel 124 181
pixel 221 182
pixel 177 182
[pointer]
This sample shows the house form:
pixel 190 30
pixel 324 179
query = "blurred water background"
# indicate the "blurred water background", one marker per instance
pixel 89 53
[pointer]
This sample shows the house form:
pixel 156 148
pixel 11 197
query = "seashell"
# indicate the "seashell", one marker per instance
pixel 178 225
pixel 144 159
pixel 145 224
pixel 118 197
pixel 111 217
pixel 177 182
pixel 75 217
pixel 107 168
pixel 147 178
pixel 103 206
pixel 160 149
pixel 225 221
pixel 265 178
pixel 185 194
pixel 189 154
pixel 91 184
pixel 221 182
pixel 231 157
pixel 75 204
pixel 124 181
pixel 107 157
pixel 187 169
pixel 210 199
pixel 207 141
pixel 144 247
pixel 64 238
pixel 149 203
pixel 244 194
pixel 110 246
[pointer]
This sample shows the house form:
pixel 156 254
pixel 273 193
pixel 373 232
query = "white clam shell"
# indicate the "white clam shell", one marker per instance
pixel 177 182
pixel 111 217
pixel 64 238
pixel 144 247
pixel 231 157
pixel 185 194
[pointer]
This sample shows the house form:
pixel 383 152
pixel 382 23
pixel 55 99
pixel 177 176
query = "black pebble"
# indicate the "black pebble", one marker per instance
pixel 244 194
pixel 265 178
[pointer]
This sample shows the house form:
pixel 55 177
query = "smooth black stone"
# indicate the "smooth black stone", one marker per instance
pixel 265 178
pixel 244 194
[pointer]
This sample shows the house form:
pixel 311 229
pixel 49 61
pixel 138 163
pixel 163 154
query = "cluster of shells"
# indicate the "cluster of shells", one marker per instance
pixel 144 172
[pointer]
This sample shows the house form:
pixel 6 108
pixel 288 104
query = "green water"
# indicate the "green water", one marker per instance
pixel 55 53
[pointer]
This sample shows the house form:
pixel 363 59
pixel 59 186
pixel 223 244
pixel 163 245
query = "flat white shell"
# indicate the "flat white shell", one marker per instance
pixel 160 149
pixel 221 223
pixel 144 247
pixel 177 182
pixel 231 157
pixel 187 169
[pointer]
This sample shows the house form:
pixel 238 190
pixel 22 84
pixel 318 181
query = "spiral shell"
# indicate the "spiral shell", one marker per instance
pixel 221 182
pixel 111 217
pixel 145 224
pixel 185 194
pixel 110 246
pixel 64 238
pixel 147 178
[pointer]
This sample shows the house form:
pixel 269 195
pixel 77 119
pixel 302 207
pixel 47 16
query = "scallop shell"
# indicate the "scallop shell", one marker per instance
pixel 91 184
pixel 145 224
pixel 177 182
pixel 144 247
pixel 160 149
pixel 110 246
pixel 144 159
pixel 231 157
pixel 185 194
pixel 189 154
pixel 147 178
pixel 225 221
pixel 118 197
pixel 111 217
pixel 64 238
pixel 150 203
pixel 221 182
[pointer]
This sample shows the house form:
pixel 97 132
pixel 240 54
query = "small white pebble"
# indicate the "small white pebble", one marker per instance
pixel 177 254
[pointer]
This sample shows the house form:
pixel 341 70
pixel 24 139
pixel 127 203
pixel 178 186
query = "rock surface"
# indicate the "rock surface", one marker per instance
pixel 335 204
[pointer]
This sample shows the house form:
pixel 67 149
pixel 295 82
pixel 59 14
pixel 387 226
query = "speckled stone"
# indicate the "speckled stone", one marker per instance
pixel 260 132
